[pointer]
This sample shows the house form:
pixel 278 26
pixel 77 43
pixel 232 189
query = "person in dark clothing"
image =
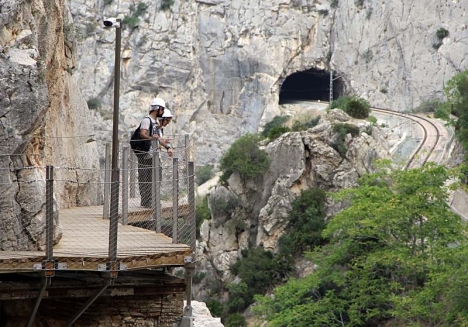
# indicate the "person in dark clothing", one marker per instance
pixel 149 131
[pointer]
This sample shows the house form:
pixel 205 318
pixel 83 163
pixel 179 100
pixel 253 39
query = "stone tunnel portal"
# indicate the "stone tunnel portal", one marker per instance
pixel 310 85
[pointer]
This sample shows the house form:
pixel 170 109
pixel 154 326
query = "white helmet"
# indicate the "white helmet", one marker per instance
pixel 157 102
pixel 167 114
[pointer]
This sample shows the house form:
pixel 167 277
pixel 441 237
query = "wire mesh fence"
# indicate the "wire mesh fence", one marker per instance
pixel 141 215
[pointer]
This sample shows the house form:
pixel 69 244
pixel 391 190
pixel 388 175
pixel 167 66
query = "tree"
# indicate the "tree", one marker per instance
pixel 244 157
pixel 393 255
pixel 456 93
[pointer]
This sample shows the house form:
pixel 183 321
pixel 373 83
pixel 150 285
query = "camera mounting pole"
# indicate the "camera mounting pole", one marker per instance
pixel 114 205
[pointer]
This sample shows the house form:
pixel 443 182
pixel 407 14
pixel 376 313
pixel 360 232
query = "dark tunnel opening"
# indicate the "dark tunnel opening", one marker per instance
pixel 310 85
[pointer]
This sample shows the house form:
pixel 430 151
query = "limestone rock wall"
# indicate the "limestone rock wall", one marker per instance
pixel 43 120
pixel 220 64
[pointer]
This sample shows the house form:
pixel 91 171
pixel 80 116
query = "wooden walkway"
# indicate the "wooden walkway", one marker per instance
pixel 85 243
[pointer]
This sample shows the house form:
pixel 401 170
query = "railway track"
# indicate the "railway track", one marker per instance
pixel 431 137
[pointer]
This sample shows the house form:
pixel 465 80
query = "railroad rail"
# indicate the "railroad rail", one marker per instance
pixel 430 139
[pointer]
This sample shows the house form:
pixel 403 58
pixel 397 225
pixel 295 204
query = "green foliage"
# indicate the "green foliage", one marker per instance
pixel 277 131
pixel 259 271
pixel 341 131
pixel 354 106
pixel 341 102
pixel 245 158
pixel 141 9
pixel 198 277
pixel 442 33
pixel 305 124
pixel 358 108
pixel 306 223
pixel 456 93
pixel 215 307
pixel 133 20
pixel 396 257
pixel 204 174
pixel 94 103
pixel 235 320
pixel 428 106
pixel 277 121
pixel 202 213
pixel 334 4
pixel 372 119
pixel 166 4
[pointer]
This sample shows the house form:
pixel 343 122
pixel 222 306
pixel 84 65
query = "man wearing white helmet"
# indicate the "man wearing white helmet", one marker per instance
pixel 149 131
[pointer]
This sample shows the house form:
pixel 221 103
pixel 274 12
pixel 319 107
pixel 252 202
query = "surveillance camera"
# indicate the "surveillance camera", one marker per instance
pixel 111 22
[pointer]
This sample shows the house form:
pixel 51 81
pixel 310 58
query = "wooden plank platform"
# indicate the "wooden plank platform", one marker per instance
pixel 85 243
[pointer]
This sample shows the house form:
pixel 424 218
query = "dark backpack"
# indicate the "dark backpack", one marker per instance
pixel 139 145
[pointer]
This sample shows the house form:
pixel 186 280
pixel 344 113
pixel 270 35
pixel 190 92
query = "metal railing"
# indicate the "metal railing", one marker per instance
pixel 66 224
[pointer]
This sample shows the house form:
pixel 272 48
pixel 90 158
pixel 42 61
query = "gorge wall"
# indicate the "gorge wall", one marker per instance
pixel 43 120
pixel 220 64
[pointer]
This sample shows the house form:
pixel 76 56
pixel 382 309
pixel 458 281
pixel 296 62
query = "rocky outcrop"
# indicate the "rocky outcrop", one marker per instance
pixel 43 120
pixel 252 214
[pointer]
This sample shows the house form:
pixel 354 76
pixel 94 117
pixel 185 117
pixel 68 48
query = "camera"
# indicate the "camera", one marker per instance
pixel 108 22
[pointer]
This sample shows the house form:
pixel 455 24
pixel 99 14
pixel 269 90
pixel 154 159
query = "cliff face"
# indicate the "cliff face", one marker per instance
pixel 220 64
pixel 254 214
pixel 43 118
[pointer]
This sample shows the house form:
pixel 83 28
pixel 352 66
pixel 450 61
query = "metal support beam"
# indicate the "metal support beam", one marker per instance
pixel 44 282
pixel 89 302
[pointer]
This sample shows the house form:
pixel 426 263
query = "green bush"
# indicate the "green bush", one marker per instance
pixel 341 102
pixel 259 271
pixel 235 320
pixel 94 103
pixel 358 108
pixel 204 174
pixel 299 125
pixel 306 223
pixel 442 33
pixel 166 4
pixel 198 277
pixel 372 119
pixel 275 122
pixel 428 106
pixel 245 158
pixel 341 130
pixel 215 307
pixel 202 213
pixel 277 131
pixel 354 106
pixel 130 21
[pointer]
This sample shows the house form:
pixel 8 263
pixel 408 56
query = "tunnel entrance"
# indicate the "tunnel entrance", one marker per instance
pixel 310 85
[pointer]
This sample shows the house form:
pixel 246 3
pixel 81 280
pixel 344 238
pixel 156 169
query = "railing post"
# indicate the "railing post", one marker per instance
pixel 187 152
pixel 50 213
pixel 156 187
pixel 133 167
pixel 125 185
pixel 191 202
pixel 175 200
pixel 107 179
